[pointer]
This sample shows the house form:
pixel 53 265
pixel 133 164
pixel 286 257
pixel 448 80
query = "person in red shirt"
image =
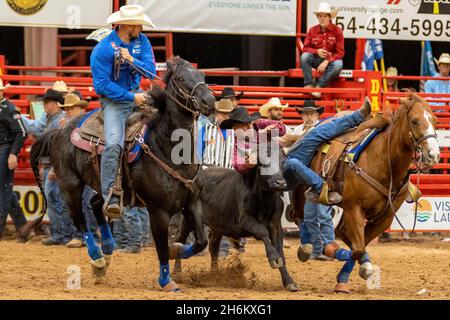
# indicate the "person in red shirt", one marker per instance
pixel 323 50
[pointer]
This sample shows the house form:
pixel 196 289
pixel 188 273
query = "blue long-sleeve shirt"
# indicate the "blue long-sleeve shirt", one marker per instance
pixel 102 65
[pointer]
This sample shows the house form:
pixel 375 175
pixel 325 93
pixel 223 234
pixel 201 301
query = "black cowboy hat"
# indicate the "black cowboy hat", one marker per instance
pixel 229 93
pixel 53 95
pixel 239 115
pixel 310 105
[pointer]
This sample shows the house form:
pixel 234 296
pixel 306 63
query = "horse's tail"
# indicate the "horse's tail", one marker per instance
pixel 39 149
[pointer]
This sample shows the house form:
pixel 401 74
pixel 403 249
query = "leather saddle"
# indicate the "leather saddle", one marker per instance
pixel 90 136
pixel 344 148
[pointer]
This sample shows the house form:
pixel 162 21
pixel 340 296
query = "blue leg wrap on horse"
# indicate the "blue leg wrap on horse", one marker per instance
pixel 365 258
pixel 187 251
pixel 344 275
pixel 107 239
pixel 343 254
pixel 94 250
pixel 164 274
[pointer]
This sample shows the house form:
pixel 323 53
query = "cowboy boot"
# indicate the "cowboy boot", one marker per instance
pixel 325 197
pixel 366 109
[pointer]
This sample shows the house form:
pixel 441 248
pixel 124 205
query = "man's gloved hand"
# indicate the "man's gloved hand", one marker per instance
pixel 139 99
pixel 125 54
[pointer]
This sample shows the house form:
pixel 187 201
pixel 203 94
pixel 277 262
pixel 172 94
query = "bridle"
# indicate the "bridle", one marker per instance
pixel 417 160
pixel 180 94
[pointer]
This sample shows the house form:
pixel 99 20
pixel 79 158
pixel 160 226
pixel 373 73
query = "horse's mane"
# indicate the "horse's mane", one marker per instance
pixel 407 102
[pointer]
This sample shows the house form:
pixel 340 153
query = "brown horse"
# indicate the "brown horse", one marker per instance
pixel 382 169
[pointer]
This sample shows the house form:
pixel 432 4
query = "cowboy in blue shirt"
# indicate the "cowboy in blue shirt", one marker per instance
pixel 440 86
pixel 118 86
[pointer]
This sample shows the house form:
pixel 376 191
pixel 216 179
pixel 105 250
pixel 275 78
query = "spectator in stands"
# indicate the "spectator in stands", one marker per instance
pixel 323 49
pixel 62 228
pixel 229 93
pixel 440 86
pixel 392 84
pixel 317 226
pixel 119 89
pixel 273 109
pixel 12 137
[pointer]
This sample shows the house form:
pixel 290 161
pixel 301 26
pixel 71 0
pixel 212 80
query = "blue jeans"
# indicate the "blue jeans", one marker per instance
pixel 9 204
pixel 115 115
pixel 132 229
pixel 91 222
pixel 62 228
pixel 319 226
pixel 310 60
pixel 296 169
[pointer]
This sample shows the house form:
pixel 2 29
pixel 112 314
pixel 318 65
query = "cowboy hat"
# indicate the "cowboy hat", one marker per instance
pixel 53 95
pixel 73 100
pixel 3 87
pixel 224 105
pixel 324 7
pixel 60 86
pixel 391 72
pixel 272 103
pixel 444 58
pixel 229 93
pixel 239 115
pixel 310 105
pixel 131 14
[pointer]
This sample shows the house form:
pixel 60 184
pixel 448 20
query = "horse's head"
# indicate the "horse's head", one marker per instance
pixel 420 129
pixel 187 85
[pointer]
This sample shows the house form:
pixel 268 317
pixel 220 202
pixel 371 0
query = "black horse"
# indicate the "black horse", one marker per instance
pixel 185 97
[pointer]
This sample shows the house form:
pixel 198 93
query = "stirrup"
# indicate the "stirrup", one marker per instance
pixel 323 197
pixel 109 214
pixel 414 193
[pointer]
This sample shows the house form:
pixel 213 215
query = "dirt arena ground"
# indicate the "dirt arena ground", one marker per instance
pixel 33 271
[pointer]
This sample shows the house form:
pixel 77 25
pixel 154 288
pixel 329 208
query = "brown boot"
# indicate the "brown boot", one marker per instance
pixel 366 109
pixel 325 197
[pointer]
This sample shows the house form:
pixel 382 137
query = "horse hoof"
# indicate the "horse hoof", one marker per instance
pixel 342 288
pixel 108 258
pixel 292 287
pixel 174 250
pixel 304 252
pixel 171 287
pixel 366 270
pixel 99 267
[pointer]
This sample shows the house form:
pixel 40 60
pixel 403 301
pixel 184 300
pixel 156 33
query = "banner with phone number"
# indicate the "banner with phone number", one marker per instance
pixel 390 19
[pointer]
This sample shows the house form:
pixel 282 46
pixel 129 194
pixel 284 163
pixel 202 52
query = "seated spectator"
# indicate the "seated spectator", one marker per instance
pixel 323 49
pixel 440 86
pixel 273 109
pixel 392 84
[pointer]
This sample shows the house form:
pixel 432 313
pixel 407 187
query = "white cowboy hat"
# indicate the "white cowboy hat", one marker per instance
pixel 60 86
pixel 324 7
pixel 224 105
pixel 3 87
pixel 391 71
pixel 272 103
pixel 444 58
pixel 132 14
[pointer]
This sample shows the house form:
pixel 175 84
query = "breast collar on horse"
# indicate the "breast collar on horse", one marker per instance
pixel 417 148
pixel 180 93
